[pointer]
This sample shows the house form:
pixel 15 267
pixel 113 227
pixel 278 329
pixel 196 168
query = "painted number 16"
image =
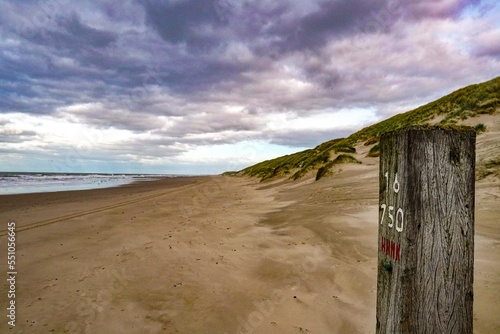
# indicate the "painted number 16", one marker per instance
pixel 399 219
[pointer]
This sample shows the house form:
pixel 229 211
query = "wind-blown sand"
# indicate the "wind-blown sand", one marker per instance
pixel 216 255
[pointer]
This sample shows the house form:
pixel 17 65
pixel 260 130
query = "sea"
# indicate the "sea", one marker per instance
pixel 23 183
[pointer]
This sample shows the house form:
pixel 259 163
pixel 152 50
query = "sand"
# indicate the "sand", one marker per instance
pixel 216 255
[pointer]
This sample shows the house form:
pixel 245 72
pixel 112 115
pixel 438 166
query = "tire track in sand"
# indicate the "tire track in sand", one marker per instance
pixel 96 210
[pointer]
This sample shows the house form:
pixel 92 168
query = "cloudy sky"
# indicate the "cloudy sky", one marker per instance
pixel 194 86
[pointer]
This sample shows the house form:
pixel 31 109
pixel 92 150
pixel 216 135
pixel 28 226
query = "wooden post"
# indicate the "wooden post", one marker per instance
pixel 426 231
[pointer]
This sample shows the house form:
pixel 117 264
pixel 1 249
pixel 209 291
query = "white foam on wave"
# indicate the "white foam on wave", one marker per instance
pixel 22 183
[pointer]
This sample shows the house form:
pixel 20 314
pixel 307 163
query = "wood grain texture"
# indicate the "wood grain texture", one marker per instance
pixel 428 287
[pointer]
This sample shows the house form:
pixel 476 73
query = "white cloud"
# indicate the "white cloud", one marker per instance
pixel 323 120
pixel 235 156
pixel 52 132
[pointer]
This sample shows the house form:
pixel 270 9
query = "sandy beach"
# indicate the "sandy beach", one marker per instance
pixel 216 255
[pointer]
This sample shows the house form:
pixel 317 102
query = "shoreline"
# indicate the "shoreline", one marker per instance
pixel 37 183
pixel 17 207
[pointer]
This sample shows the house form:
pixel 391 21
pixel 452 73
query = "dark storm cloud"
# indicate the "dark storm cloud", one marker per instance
pixel 267 28
pixel 332 18
pixel 76 34
pixel 116 62
pixel 102 117
pixel 189 21
pixel 71 34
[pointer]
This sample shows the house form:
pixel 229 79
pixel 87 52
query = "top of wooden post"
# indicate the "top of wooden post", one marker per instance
pixel 457 128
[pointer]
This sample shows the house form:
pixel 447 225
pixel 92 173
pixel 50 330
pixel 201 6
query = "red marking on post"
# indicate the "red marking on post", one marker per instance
pixel 391 248
pixel 398 252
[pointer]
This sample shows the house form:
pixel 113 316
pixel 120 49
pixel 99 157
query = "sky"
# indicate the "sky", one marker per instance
pixel 202 87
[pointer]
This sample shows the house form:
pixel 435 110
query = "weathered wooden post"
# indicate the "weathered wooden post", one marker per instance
pixel 426 231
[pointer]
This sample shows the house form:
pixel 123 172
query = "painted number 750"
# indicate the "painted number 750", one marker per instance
pixel 397 220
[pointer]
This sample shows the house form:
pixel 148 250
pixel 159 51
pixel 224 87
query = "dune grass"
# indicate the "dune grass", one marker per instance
pixel 341 159
pixel 470 101
pixel 374 151
pixel 480 128
pixel 488 167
